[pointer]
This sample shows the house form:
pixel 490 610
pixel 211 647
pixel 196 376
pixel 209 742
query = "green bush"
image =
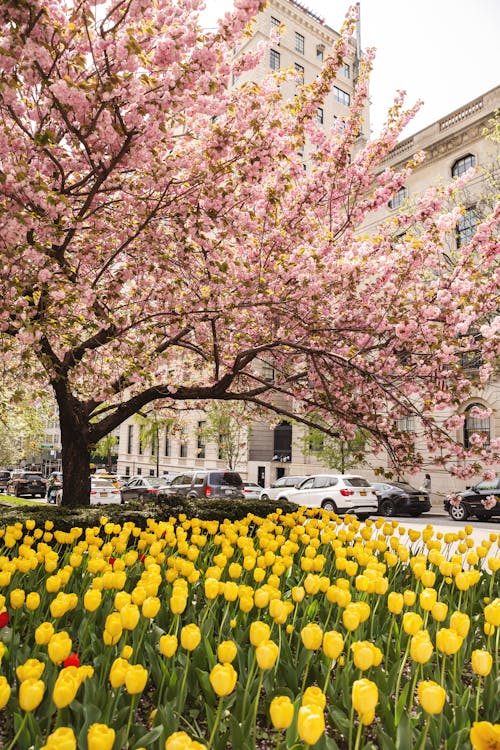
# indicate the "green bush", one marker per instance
pixel 213 509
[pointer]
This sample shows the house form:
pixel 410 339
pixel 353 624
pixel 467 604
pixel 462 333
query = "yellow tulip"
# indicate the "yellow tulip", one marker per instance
pixel 118 672
pixel 364 697
pixel 223 679
pixel 421 647
pixel 431 696
pixel 190 636
pixel 492 613
pixel 5 691
pixel 428 598
pixel 92 600
pixel 59 647
pixel 312 636
pixel 439 611
pixel 281 712
pixel 135 679
pixel 100 737
pixel 44 633
pixel 168 645
pixel 129 616
pixel 30 694
pixel 178 602
pixel 32 669
pixel 395 602
pixel 17 598
pixel 460 622
pixel 62 738
pixel 448 641
pixel 266 654
pixel 333 644
pixel 65 688
pixel 412 623
pixel 363 654
pixel 314 696
pixel 182 741
pixel 226 652
pixel 310 724
pixel 485 736
pixel 33 600
pixel 482 661
pixel 259 631
pixel 350 619
pixel 409 597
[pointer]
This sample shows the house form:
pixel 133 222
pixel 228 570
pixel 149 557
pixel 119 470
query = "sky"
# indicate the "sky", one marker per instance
pixel 445 52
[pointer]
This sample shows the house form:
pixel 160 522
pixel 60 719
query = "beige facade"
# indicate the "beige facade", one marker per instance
pixel 449 144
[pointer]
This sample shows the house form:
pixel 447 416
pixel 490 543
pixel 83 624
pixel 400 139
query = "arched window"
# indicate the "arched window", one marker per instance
pixel 398 199
pixel 475 425
pixel 282 442
pixel 462 165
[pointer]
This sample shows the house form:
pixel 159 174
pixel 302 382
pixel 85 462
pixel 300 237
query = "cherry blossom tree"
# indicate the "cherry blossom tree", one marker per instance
pixel 160 238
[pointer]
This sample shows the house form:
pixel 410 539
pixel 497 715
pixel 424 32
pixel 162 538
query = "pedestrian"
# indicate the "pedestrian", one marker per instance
pixel 426 485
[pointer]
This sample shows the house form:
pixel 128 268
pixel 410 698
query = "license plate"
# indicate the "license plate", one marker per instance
pixel 227 492
pixel 104 494
pixel 363 493
pixel 422 498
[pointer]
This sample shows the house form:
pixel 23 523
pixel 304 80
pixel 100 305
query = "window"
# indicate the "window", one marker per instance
pixel 268 372
pixel 300 72
pixel 398 199
pixel 130 438
pixel 320 115
pixel 200 449
pixel 141 446
pixel 151 472
pixel 338 124
pixel 274 60
pixel 320 49
pixel 167 441
pixel 183 446
pixel 466 227
pixel 406 424
pixel 474 424
pixel 341 96
pixel 139 471
pixel 462 165
pixel 299 43
pixel 345 70
pixel 275 21
pixel 282 450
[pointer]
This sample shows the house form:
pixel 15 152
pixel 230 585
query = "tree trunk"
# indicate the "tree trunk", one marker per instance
pixel 75 444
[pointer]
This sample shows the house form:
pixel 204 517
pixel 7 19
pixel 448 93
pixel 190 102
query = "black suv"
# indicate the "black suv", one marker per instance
pixel 205 484
pixel 476 501
pixel 26 484
pixel 395 498
pixel 4 479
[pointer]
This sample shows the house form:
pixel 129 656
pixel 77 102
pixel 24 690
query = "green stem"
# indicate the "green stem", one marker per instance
pixel 328 673
pixel 386 662
pixel 17 734
pixel 358 736
pixel 256 706
pixel 247 687
pixel 129 722
pixel 351 722
pixel 306 672
pixel 478 695
pixel 400 674
pixel 424 735
pixel 216 723
pixel 180 698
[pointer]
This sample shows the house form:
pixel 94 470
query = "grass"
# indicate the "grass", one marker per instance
pixel 9 500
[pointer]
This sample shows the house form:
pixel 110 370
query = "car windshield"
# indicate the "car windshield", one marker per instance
pixel 158 481
pixel 102 483
pixel 404 486
pixel 225 477
pixel 32 477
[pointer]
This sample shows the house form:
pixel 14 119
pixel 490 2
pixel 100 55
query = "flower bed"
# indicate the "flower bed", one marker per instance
pixel 288 631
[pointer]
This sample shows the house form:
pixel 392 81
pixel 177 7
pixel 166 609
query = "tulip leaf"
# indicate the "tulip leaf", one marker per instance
pixel 401 704
pixel 340 720
pixel 148 738
pixel 404 731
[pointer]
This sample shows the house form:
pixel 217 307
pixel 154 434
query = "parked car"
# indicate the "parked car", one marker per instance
pixel 103 491
pixel 26 484
pixel 205 484
pixel 339 493
pixel 396 498
pixel 252 491
pixel 272 492
pixel 475 501
pixel 4 480
pixel 142 488
pixel 103 474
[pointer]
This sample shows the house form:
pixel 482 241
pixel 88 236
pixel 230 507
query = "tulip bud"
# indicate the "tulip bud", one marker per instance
pixel 32 669
pixel 460 622
pixel 421 647
pixel 266 654
pixel 226 652
pixel 118 671
pixel 333 644
pixel 44 633
pixel 5 691
pixel 482 662
pixel 448 641
pixel 92 600
pixel 411 623
pixel 312 636
pixel 65 688
pixel 129 618
pixel 223 679
pixel 168 645
pixel 30 694
pixel 395 602
pixel 259 631
pixel 135 679
pixel 364 696
pixel 33 600
pixel 314 696
pixel 310 724
pixel 190 637
pixel 59 647
pixel 62 738
pixel 281 712
pixel 17 598
pixel 431 696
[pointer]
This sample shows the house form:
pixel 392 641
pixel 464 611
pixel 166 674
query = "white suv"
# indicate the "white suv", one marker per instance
pixel 339 493
pixel 283 484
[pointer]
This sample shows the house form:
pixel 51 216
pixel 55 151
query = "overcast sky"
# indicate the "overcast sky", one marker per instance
pixel 446 52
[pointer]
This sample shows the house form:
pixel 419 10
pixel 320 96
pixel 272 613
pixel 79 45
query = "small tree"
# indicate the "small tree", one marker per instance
pixel 337 453
pixel 228 427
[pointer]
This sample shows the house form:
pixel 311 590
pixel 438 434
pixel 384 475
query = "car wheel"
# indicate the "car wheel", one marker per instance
pixel 264 497
pixel 329 505
pixel 387 508
pixel 459 512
